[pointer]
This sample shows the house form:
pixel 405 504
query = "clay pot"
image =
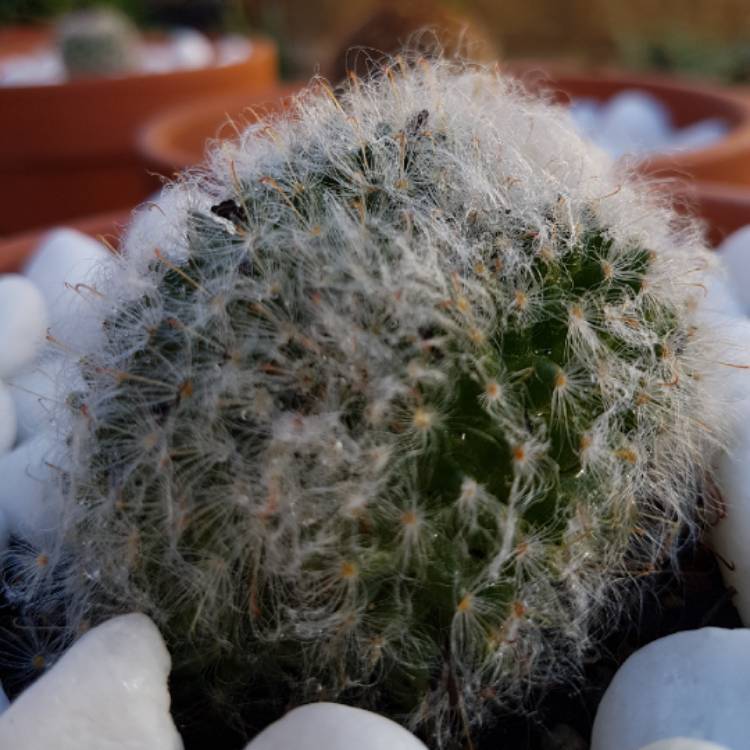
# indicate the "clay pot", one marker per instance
pixel 69 149
pixel 15 250
pixel 177 138
pixel 15 40
pixel 726 161
pixel 724 208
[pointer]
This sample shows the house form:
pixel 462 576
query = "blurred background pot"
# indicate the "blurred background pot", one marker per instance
pixel 725 208
pixel 15 250
pixel 70 149
pixel 177 138
pixel 727 160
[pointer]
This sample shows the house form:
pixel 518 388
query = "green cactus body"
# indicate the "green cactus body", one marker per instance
pixel 97 42
pixel 405 387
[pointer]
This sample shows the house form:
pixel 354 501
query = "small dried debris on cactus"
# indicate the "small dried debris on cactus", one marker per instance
pixel 391 401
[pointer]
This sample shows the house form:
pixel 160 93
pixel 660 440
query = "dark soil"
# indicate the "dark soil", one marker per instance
pixel 560 719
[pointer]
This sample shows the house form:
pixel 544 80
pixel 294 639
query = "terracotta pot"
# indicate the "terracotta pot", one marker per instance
pixel 15 250
pixel 177 139
pixel 724 208
pixel 726 161
pixel 70 149
pixel 15 40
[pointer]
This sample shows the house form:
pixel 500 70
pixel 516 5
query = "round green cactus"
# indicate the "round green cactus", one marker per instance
pixel 97 42
pixel 389 402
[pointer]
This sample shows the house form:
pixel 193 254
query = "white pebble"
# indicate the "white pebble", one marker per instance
pixel 39 392
pixel 108 692
pixel 66 267
pixel 633 122
pixel 720 298
pixel 684 743
pixel 586 114
pixel 730 377
pixel 28 496
pixel 156 58
pixel 735 253
pixel 32 397
pixel 233 49
pixel 23 323
pixel 190 49
pixel 731 533
pixel 4 539
pixel 694 684
pixel 698 135
pixel 34 69
pixel 334 727
pixel 8 420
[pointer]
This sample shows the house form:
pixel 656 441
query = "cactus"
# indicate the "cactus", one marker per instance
pixel 97 42
pixel 391 402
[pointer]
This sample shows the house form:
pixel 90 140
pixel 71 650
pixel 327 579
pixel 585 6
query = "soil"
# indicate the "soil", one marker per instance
pixel 696 597
pixel 560 719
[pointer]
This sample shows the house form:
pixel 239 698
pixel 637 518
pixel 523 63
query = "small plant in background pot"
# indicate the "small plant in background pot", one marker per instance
pixel 97 41
pixel 388 406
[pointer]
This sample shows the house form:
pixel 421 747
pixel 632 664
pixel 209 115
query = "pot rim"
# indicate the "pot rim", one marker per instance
pixel 17 248
pixel 158 148
pixel 730 105
pixel 261 48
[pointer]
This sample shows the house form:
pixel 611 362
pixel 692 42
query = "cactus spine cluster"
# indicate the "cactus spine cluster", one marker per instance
pixel 97 42
pixel 388 402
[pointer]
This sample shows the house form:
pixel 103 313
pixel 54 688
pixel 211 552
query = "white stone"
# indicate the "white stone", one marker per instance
pixel 190 49
pixel 108 692
pixel 4 539
pixel 720 296
pixel 8 420
pixel 684 743
pixel 636 122
pixel 693 684
pixel 28 496
pixel 23 323
pixel 731 533
pixel 156 58
pixel 586 114
pixel 233 49
pixel 33 396
pixel 735 253
pixel 332 726
pixel 34 69
pixel 728 331
pixel 66 267
pixel 633 122
pixel 701 134
pixel 38 393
